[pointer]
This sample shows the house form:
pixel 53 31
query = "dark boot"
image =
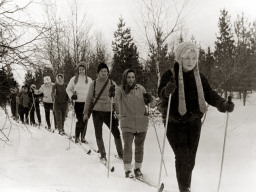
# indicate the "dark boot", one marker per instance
pixel 101 147
pixel 119 148
pixel 138 173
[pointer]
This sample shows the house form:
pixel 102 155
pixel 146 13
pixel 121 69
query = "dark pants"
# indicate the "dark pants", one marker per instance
pixel 60 114
pixel 47 108
pixel 20 110
pixel 13 108
pixel 100 117
pixel 32 113
pixel 184 139
pixel 24 113
pixel 81 125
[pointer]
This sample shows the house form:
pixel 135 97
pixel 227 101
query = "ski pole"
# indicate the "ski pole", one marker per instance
pixel 165 131
pixel 156 136
pixel 111 110
pixel 224 144
pixel 72 118
pixel 159 144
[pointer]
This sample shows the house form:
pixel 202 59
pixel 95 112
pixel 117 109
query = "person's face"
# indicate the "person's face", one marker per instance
pixel 25 89
pixel 189 61
pixel 103 73
pixel 81 70
pixel 130 78
pixel 60 79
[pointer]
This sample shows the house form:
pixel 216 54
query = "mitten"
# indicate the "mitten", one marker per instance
pixel 74 97
pixel 229 106
pixel 170 87
pixel 112 89
pixel 147 98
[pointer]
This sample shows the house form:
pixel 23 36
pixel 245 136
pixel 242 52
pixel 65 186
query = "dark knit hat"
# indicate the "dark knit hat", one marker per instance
pixel 102 66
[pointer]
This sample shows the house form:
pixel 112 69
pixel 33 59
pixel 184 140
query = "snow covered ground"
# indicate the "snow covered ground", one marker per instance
pixel 35 160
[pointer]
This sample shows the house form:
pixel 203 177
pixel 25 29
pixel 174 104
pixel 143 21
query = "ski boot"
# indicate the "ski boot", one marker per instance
pixel 138 173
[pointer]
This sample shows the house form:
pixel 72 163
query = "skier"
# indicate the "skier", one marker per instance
pixel 20 106
pixel 77 90
pixel 101 110
pixel 188 91
pixel 24 101
pixel 46 90
pixel 13 101
pixel 132 98
pixel 34 101
pixel 60 99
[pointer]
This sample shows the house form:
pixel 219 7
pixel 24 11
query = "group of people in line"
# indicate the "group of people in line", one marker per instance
pixel 189 91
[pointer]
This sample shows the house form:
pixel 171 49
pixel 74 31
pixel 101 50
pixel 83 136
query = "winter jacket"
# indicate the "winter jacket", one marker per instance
pixel 81 88
pixel 46 89
pixel 24 99
pixel 59 94
pixel 103 103
pixel 132 109
pixel 191 96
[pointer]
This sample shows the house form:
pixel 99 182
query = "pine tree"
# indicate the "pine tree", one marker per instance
pixel 224 53
pixel 166 62
pixel 126 55
pixel 206 64
pixel 244 56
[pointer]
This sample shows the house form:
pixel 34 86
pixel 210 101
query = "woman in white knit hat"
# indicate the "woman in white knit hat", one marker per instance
pixel 77 90
pixel 189 90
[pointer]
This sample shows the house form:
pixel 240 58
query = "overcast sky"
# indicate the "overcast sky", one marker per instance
pixel 201 16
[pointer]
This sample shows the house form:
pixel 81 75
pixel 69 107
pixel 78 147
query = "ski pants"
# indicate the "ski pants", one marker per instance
pixel 100 117
pixel 24 112
pixel 32 113
pixel 60 114
pixel 47 108
pixel 138 138
pixel 184 139
pixel 13 108
pixel 81 125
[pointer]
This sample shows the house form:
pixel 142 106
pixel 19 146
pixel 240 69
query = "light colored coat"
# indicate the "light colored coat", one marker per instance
pixel 103 104
pixel 81 88
pixel 46 89
pixel 132 109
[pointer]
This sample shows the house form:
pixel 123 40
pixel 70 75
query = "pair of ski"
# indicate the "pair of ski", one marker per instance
pixel 145 181
pixel 72 139
pixel 88 152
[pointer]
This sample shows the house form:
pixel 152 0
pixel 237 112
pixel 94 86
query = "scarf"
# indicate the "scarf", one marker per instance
pixel 181 49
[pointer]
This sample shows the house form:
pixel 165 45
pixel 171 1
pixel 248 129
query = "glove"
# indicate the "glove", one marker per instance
pixel 112 90
pixel 85 117
pixel 147 98
pixel 170 87
pixel 229 106
pixel 74 97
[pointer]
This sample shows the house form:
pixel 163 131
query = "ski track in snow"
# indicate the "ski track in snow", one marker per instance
pixel 35 160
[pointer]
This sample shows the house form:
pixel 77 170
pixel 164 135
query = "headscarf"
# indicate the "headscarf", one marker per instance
pixel 127 88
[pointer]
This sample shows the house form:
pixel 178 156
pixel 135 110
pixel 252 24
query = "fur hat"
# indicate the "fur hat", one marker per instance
pixel 47 79
pixel 102 66
pixel 180 52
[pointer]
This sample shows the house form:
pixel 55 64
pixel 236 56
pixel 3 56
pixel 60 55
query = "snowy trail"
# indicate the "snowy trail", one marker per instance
pixel 36 160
